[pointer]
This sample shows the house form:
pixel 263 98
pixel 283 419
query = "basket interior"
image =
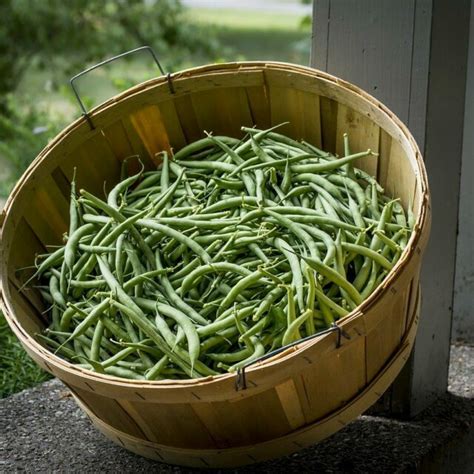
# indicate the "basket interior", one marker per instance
pixel 149 119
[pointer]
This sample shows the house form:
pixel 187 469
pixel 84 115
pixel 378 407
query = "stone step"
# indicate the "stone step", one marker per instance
pixel 42 430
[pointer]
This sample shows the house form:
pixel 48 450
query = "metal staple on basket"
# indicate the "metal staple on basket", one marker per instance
pixel 240 377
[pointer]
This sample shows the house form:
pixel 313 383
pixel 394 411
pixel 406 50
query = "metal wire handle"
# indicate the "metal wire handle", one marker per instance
pixel 85 113
pixel 240 380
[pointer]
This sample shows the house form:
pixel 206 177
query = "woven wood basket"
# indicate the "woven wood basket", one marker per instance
pixel 294 399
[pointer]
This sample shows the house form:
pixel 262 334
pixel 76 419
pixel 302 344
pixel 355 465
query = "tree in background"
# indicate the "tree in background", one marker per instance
pixel 68 34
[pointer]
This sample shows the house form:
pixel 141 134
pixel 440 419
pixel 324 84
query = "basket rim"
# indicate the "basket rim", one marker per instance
pixel 415 243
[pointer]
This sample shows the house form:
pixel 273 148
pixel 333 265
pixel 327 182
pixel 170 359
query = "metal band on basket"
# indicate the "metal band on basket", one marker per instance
pixel 240 376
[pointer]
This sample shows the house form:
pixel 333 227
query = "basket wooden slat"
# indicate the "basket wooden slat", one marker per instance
pixel 363 133
pixel 296 398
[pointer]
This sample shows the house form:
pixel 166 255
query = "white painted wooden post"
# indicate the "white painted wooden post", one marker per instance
pixel 463 323
pixel 412 55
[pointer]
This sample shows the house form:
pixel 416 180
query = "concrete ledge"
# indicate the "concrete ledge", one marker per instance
pixel 42 430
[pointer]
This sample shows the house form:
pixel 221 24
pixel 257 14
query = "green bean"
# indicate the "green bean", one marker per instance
pixel 362 274
pixel 58 297
pixel 328 302
pixel 123 373
pixel 330 165
pixel 211 267
pixel 179 236
pixel 221 337
pixel 233 184
pixel 310 328
pixel 292 332
pixel 144 278
pixel 297 230
pixel 225 322
pixel 353 186
pixel 164 198
pixel 188 328
pixel 200 145
pixel 155 371
pixel 348 168
pixel 256 328
pixel 121 220
pixel 280 163
pixel 367 252
pixel 138 318
pixel 178 222
pixel 293 260
pixel 227 150
pixel 90 319
pixel 146 184
pixel 239 287
pixel 165 331
pixel 50 260
pixel 231 357
pixel 211 165
pixel 335 277
pixel 325 238
pixel 175 298
pixel 259 350
pixel 69 353
pixel 373 202
pixel 121 187
pixel 96 248
pixel 321 182
pixel 96 341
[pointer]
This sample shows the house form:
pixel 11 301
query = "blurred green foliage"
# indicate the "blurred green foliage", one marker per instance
pixel 69 34
pixel 24 132
pixel 63 37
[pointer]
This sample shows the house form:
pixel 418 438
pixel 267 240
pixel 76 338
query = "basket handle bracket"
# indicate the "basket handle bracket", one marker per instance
pixel 240 378
pixel 85 113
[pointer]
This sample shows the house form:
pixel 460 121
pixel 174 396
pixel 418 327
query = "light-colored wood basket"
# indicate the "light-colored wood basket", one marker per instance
pixel 304 394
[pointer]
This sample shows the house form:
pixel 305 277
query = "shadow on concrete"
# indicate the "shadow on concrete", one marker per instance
pixel 43 430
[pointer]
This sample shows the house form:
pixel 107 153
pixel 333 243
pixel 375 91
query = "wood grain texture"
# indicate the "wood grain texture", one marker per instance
pixel 443 150
pixel 463 323
pixel 259 106
pixel 149 125
pixel 359 34
pixel 363 134
pixel 347 370
pixel 223 111
pixel 47 212
pixel 304 115
pixel 329 109
pixel 94 165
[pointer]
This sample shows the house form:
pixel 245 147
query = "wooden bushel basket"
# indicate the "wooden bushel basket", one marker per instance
pixel 292 400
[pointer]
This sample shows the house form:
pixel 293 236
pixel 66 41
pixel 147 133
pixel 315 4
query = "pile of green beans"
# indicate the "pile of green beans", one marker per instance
pixel 230 250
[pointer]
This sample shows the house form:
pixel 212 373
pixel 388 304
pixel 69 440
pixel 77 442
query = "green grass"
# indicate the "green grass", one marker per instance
pixel 245 20
pixel 17 370
pixel 265 45
pixel 256 36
